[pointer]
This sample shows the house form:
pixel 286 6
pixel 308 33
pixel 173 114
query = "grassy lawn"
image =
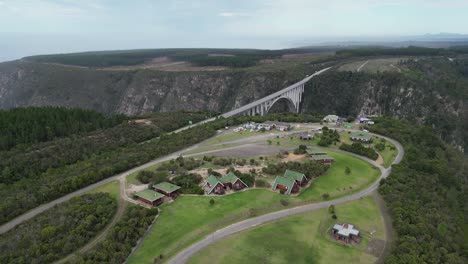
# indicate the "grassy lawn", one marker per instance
pixel 388 154
pixel 299 239
pixel 229 136
pixel 190 218
pixel 112 188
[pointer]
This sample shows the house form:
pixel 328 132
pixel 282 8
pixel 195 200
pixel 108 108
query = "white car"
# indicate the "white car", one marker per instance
pixel 365 131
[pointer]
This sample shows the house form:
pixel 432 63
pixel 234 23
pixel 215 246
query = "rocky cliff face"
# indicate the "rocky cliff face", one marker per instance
pixel 135 92
pixel 138 91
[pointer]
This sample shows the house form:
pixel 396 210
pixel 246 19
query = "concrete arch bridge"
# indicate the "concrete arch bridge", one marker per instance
pixel 293 94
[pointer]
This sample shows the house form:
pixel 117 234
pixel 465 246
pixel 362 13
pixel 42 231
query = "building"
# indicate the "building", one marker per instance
pixel 281 126
pixel 312 152
pixel 306 137
pixel 320 156
pixel 213 185
pixel 361 137
pixel 168 189
pixel 231 181
pixel 346 233
pixel 288 185
pixel 300 178
pixel 331 118
pixel 149 197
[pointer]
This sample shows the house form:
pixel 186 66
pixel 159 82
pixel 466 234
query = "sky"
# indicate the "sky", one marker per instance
pixel 29 27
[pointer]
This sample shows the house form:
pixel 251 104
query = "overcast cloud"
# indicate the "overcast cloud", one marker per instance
pixel 48 26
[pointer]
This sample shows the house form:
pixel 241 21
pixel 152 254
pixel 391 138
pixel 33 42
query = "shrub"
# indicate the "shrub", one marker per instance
pixel 212 202
pixel 347 170
pixel 325 196
pixel 260 183
pixel 284 202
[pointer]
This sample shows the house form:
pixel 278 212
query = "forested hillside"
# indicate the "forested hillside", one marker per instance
pixel 58 232
pixel 427 194
pixel 38 124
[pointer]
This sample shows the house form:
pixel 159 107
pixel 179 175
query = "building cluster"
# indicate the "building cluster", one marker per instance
pixel 215 185
pixel 290 182
pixel 268 125
pixel 158 193
pixel 366 121
pixel 346 233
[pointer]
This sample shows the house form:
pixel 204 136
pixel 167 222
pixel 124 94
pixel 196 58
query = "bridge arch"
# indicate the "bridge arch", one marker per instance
pixel 292 106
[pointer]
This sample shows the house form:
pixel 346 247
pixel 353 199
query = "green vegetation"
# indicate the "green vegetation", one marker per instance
pixel 123 236
pixel 300 239
pixel 27 193
pixel 360 149
pixel 171 233
pixel 408 51
pixel 425 191
pixel 38 124
pixel 58 231
pixel 328 137
pixel 112 188
pixel 310 169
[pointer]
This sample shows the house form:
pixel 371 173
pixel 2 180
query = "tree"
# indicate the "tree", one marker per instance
pixel 347 170
pixel 212 202
pixel 269 142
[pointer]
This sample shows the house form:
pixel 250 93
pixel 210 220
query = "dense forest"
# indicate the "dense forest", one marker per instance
pixel 59 231
pixel 426 194
pixel 202 57
pixel 122 238
pixel 407 51
pixel 38 124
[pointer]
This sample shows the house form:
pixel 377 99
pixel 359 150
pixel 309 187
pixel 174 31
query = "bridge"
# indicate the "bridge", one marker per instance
pixel 293 94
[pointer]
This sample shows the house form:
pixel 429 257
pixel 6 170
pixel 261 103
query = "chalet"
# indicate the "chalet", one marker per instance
pixel 361 137
pixel 149 197
pixel 313 152
pixel 288 185
pixel 306 137
pixel 325 159
pixel 168 189
pixel 320 156
pixel 331 118
pixel 282 126
pixel 346 233
pixel 213 185
pixel 300 178
pixel 231 181
pixel 268 125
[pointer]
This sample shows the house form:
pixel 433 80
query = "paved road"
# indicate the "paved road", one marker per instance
pixel 185 254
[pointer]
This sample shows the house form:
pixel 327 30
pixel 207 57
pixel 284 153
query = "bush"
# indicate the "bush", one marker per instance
pixel 260 183
pixel 246 178
pixel 331 209
pixel 284 202
pixel 325 196
pixel 347 170
pixel 212 202
pixel 380 146
pixel 359 149
pixel 189 183
pixel 302 149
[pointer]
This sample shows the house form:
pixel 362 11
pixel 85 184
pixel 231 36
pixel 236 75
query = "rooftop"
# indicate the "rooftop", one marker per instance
pixel 346 229
pixel 166 187
pixel 285 181
pixel 149 195
pixel 315 152
pixel 361 135
pixel 294 175
pixel 230 177
pixel 322 157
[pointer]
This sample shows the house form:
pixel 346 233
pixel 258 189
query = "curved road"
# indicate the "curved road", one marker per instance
pixel 185 254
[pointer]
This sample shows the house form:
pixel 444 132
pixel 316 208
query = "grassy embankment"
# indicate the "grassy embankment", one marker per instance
pixel 302 238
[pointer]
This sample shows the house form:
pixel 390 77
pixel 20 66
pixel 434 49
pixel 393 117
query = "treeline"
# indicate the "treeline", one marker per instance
pixel 38 124
pixel 59 231
pixel 426 194
pixel 118 244
pixel 407 51
pixel 360 149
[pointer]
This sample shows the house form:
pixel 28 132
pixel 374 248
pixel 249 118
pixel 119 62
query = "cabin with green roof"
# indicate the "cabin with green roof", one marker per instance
pixel 361 137
pixel 149 197
pixel 231 181
pixel 287 184
pixel 213 185
pixel 299 177
pixel 167 189
pixel 325 159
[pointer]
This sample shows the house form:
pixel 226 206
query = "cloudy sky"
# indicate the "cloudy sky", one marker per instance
pixel 49 26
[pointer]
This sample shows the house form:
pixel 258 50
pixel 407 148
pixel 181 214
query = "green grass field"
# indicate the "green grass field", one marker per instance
pixel 112 188
pixel 190 218
pixel 299 239
pixel 388 154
